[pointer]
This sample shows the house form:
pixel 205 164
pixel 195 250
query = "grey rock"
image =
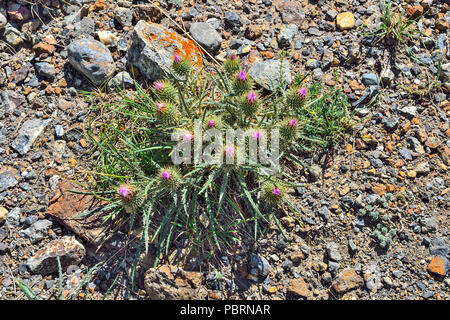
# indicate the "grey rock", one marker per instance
pixel 405 153
pixel 7 180
pixel 298 43
pixel 3 21
pixel 232 20
pixel 426 294
pixel 59 131
pixel 190 14
pixel 45 69
pixel 334 267
pixel 312 64
pixel 206 36
pixel 153 58
pixel 415 145
pixel 266 73
pixel 372 199
pixel 429 224
pixel 409 111
pixel 13 217
pixel 352 246
pixel 214 22
pixel 324 213
pixel 445 72
pixel 85 27
pixel 391 123
pixel 92 59
pixel 37 231
pixel 124 16
pixel 13 36
pixel 260 264
pixel 287 35
pixel 387 76
pixel 422 167
pixel 438 247
pixel 372 277
pixel 370 79
pixel 333 252
pixel 122 80
pixel 397 273
pixel 9 101
pixel 68 249
pixel 29 132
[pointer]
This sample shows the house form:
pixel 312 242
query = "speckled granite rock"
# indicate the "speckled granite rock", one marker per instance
pixel 68 249
pixel 92 59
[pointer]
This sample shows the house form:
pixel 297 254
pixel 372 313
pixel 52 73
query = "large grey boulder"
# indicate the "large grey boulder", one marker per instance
pixel 153 47
pixel 267 73
pixel 92 58
pixel 206 36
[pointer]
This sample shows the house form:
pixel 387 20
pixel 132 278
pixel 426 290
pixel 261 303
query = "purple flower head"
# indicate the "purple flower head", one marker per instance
pixel 187 136
pixel 301 93
pixel 256 135
pixel 126 192
pixel 160 107
pixel 158 85
pixel 276 191
pixel 292 123
pixel 242 76
pixel 232 57
pixel 229 151
pixel 166 175
pixel 251 97
pixel 176 58
pixel 211 123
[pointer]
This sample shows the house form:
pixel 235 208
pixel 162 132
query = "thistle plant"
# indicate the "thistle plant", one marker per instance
pixel 209 206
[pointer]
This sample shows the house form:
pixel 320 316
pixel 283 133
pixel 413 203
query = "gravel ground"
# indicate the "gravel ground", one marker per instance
pixel 395 164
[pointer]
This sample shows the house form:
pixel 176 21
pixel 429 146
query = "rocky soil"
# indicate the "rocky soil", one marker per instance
pixel 395 163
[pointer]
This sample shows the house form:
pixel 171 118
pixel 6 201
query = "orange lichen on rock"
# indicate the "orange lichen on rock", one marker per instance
pixel 184 47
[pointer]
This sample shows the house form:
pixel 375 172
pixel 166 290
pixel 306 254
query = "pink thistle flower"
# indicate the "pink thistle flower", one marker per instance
pixel 211 123
pixel 242 76
pixel 301 93
pixel 229 151
pixel 160 107
pixel 158 85
pixel 187 136
pixel 276 191
pixel 256 135
pixel 232 57
pixel 126 192
pixel 176 58
pixel 166 175
pixel 292 123
pixel 251 97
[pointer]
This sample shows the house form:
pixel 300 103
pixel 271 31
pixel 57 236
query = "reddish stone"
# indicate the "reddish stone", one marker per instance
pixel 437 266
pixel 66 205
pixel 168 282
pixel 414 11
pixel 379 189
pixel 347 280
pixel 296 257
pixel 444 151
pixel 292 12
pixel 43 47
pixel 18 12
pixel 299 287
